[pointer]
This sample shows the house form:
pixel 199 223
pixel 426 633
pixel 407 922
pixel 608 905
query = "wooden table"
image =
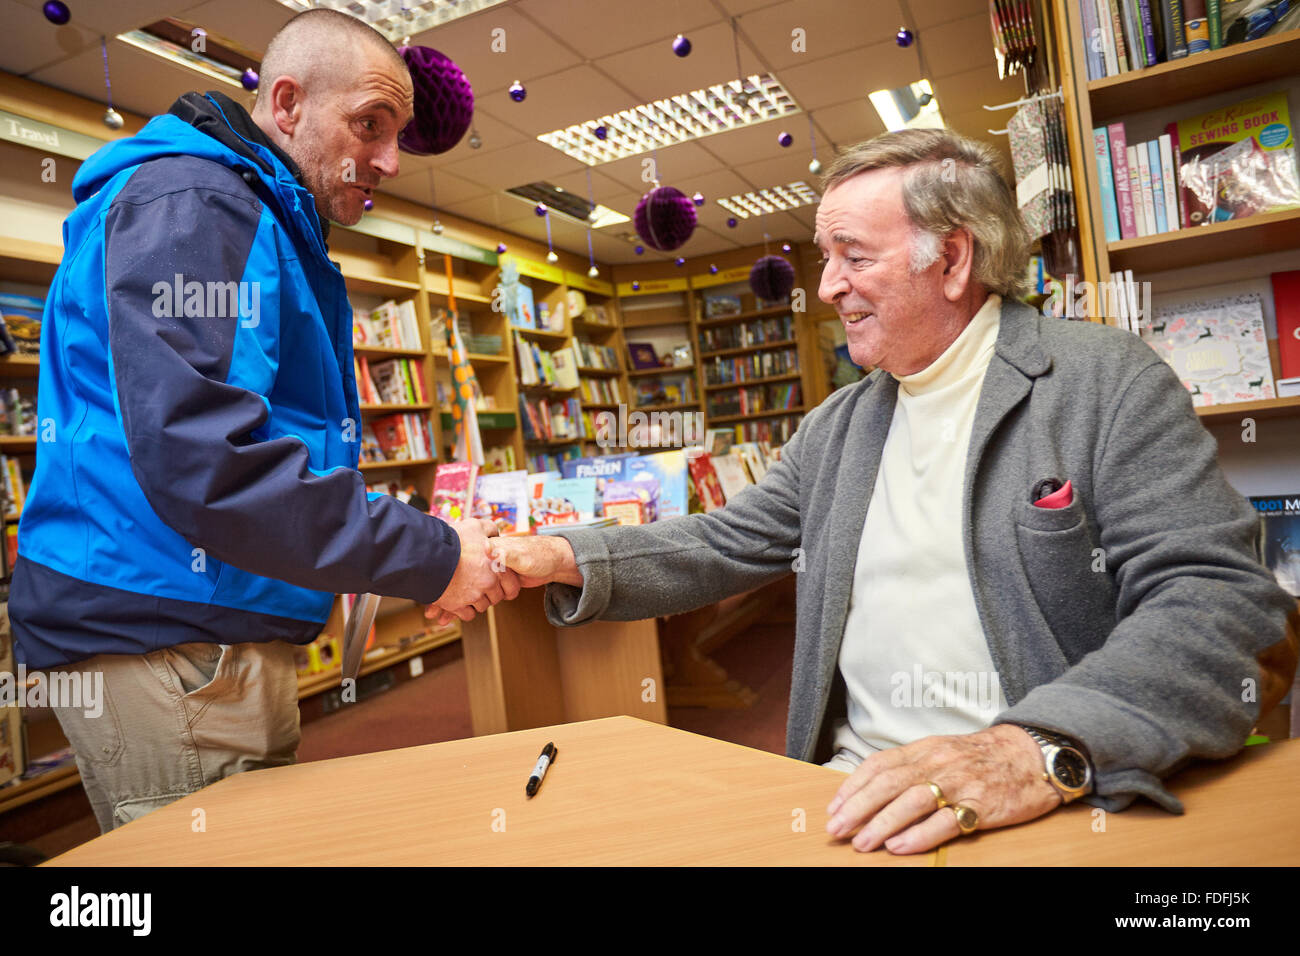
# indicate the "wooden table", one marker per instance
pixel 628 791
pixel 622 791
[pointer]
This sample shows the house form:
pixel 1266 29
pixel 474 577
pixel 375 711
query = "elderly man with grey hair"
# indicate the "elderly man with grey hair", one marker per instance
pixel 1024 579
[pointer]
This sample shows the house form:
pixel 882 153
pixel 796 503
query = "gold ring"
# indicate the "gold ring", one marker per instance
pixel 938 794
pixel 967 819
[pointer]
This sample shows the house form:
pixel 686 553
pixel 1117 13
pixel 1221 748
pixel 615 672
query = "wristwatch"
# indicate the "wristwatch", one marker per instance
pixel 1067 767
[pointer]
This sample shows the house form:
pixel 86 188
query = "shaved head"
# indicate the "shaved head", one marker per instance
pixel 334 95
pixel 317 48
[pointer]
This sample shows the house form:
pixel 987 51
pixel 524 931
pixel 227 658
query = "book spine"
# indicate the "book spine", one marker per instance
pixel 1117 27
pixel 1148 199
pixel 1175 39
pixel 1214 23
pixel 1132 34
pixel 1106 183
pixel 1286 305
pixel 1170 181
pixel 1148 30
pixel 1157 185
pixel 1091 46
pixel 1123 194
pixel 1195 28
pixel 1107 37
pixel 1177 154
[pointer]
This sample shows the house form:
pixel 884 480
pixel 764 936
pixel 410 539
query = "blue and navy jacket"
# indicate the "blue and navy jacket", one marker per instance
pixel 196 472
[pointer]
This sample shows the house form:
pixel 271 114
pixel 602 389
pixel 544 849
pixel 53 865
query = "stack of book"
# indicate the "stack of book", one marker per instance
pixel 754 399
pixel 390 325
pixel 391 382
pixel 741 368
pixel 775 329
pixel 397 438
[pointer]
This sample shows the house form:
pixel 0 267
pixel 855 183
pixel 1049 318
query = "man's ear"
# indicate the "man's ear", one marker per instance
pixel 286 104
pixel 958 258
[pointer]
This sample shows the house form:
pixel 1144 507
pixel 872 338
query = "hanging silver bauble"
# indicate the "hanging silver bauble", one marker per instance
pixel 437 228
pixel 113 119
pixel 815 167
pixel 741 99
pixel 475 141
pixel 593 272
pixel 552 257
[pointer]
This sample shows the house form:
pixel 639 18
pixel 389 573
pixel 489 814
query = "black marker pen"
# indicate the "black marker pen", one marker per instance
pixel 549 753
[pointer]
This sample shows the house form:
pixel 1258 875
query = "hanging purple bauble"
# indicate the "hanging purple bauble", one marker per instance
pixel 682 46
pixel 501 248
pixel 636 286
pixel 369 204
pixel 444 102
pixel 785 139
pixel 731 222
pixel 249 80
pixel 771 279
pixel 57 12
pixel 785 247
pixel 680 262
pixel 665 218
pixel 601 132
pixel 713 270
pixel 903 37
pixel 698 199
pixel 539 209
pixel 517 92
pixel 639 250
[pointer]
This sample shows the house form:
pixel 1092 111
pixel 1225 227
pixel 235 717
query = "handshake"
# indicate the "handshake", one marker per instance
pixel 494 569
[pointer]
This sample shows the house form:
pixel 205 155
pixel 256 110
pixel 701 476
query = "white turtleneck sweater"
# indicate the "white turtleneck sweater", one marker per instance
pixel 914 657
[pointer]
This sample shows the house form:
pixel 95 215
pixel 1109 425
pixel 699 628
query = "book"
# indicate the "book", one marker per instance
pixel 1101 153
pixel 642 355
pixel 1135 189
pixel 1094 55
pixel 708 490
pixel 1117 27
pixel 503 498
pixel 568 500
pixel 600 522
pixel 1214 23
pixel 565 364
pixel 1147 25
pixel 716 306
pixel 1171 20
pixel 1157 185
pixel 603 468
pixel 668 468
pixel 1286 307
pixel 1216 346
pixel 1237 161
pixel 519 306
pixel 1169 181
pixel 1279 539
pixel 1171 130
pixel 1123 189
pixel 1106 36
pixel 453 485
pixel 1132 34
pixel 731 473
pixel 1144 185
pixel 633 502
pixel 390 433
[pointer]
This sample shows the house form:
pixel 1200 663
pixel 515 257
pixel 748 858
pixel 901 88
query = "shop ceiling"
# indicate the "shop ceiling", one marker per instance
pixel 581 59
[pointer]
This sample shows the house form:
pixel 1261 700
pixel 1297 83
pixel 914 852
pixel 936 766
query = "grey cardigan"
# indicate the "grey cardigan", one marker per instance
pixel 1131 619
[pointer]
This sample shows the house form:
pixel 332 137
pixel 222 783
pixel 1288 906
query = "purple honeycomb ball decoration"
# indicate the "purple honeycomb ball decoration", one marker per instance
pixel 682 46
pixel 698 199
pixel 903 37
pixel 57 12
pixel 368 205
pixel 665 218
pixel 249 80
pixel 731 222
pixel 501 248
pixel 786 140
pixel 540 209
pixel 444 102
pixel 639 250
pixel 771 279
pixel 601 133
pixel 517 92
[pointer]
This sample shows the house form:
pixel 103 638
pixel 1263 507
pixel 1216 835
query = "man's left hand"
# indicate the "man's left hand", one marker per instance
pixel 997 772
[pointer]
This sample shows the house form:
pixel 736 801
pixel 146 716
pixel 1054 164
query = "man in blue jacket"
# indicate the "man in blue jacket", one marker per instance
pixel 196 504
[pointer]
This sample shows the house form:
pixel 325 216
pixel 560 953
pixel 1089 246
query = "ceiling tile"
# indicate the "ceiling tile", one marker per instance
pixel 29 41
pixel 597 28
pixel 650 71
pixel 758 141
pixel 447 189
pixel 735 7
pixel 964 92
pixel 829 27
pixel 250 23
pixel 833 79
pixel 119 16
pixel 958 46
pixel 847 123
pixel 551 103
pixel 524 163
pixel 530 51
pixel 929 13
pixel 677 165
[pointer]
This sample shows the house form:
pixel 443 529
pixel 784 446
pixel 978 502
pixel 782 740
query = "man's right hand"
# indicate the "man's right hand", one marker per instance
pixel 536 559
pixel 476 585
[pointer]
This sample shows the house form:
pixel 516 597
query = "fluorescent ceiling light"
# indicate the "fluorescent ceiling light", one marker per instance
pixel 183 56
pixel 567 204
pixel 733 104
pixel 908 107
pixel 398 19
pixel 775 199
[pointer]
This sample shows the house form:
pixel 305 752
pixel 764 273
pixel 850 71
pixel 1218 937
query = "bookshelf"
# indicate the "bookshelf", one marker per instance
pixel 1144 100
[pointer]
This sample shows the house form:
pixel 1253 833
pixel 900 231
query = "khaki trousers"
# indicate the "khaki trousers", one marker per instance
pixel 177 719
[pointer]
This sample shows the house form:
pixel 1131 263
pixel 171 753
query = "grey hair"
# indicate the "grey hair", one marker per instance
pixel 313 43
pixel 949 182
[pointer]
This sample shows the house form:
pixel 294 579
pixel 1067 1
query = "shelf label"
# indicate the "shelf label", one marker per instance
pixel 455 247
pixel 38 135
pixel 652 286
pixel 724 277
pixel 539 270
pixel 578 281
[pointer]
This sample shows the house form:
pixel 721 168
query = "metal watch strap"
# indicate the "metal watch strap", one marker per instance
pixel 1046 739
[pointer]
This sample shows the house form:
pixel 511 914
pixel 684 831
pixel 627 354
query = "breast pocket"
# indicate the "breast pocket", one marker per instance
pixel 1068 575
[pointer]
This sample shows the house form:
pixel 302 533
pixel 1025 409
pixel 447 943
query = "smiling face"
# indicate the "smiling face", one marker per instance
pixel 893 318
pixel 345 138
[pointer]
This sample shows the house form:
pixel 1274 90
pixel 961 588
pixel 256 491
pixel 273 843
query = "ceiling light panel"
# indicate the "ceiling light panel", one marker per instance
pixel 773 199
pixel 397 19
pixel 734 104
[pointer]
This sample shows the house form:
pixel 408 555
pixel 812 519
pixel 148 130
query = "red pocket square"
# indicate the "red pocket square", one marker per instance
pixel 1059 498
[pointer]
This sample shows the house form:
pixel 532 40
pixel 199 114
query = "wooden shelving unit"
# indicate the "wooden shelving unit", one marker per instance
pixel 1171 85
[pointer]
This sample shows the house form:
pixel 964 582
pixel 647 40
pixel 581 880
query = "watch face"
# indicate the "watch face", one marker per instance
pixel 1070 768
